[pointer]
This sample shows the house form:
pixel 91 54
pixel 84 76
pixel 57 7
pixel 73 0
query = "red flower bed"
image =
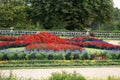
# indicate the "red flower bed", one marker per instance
pixel 44 37
pixel 53 46
pixel 54 42
pixel 100 45
pixel 7 38
pixel 83 38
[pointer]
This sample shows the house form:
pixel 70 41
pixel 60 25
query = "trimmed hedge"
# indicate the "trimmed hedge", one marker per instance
pixel 59 56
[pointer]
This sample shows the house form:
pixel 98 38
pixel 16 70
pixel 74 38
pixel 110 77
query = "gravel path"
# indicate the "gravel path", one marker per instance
pixel 88 72
pixel 115 42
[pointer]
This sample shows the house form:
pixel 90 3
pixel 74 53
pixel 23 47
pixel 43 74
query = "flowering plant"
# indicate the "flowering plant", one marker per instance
pixel 48 41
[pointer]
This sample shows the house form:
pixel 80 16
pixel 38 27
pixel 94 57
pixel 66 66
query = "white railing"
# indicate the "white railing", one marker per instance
pixel 71 34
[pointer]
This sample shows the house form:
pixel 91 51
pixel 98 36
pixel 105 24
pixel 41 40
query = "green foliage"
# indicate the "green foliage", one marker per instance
pixel 30 56
pixel 74 14
pixel 59 55
pixel 21 56
pixel 57 63
pixel 113 78
pixel 56 76
pixel 12 56
pixel 69 56
pixel 1 56
pixel 13 13
pixel 70 15
pixel 66 76
pixel 4 57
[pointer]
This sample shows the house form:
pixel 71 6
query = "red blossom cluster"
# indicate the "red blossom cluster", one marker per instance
pixel 44 37
pixel 53 46
pixel 100 45
pixel 83 39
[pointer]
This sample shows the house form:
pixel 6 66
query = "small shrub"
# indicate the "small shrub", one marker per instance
pixel 12 56
pixel 85 56
pixel 113 78
pixel 69 56
pixel 61 56
pixel 38 56
pixel 43 56
pixel 1 56
pixel 118 57
pixel 50 56
pixel 5 57
pixel 21 56
pixel 66 76
pixel 30 56
pixel 76 56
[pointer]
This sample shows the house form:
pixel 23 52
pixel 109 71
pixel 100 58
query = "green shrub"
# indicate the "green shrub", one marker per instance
pixel 42 56
pixel 22 56
pixel 61 56
pixel 38 56
pixel 69 56
pixel 85 56
pixel 113 78
pixel 30 56
pixel 1 56
pixel 118 57
pixel 12 56
pixel 5 57
pixel 58 56
pixel 50 56
pixel 76 56
pixel 66 76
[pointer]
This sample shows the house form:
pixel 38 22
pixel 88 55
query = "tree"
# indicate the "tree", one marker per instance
pixel 74 14
pixel 117 18
pixel 12 13
pixel 104 12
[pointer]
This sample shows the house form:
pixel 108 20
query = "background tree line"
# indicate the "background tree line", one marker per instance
pixel 59 14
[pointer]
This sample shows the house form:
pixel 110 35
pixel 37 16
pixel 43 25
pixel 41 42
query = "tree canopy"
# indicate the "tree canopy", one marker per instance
pixel 67 14
pixel 75 14
pixel 12 13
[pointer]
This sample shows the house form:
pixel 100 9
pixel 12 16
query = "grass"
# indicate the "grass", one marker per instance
pixel 14 49
pixel 93 50
pixel 19 64
pixel 89 50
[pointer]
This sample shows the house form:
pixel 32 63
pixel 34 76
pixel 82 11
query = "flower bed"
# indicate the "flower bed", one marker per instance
pixel 53 46
pixel 47 41
pixel 7 38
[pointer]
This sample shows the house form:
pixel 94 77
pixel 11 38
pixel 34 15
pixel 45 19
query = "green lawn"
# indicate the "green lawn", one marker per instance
pixel 19 48
pixel 89 50
pixel 93 50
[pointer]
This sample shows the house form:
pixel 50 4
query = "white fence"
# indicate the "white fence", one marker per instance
pixel 70 34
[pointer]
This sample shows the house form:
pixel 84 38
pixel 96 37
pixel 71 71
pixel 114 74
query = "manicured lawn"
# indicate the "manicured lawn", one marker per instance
pixel 91 50
pixel 14 49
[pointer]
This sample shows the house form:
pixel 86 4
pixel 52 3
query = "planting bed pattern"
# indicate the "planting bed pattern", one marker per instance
pixel 47 41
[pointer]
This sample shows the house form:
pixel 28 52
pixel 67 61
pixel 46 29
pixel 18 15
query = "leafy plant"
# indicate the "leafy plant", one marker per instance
pixel 66 76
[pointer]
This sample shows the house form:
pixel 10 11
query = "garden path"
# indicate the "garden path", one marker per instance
pixel 116 42
pixel 88 72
